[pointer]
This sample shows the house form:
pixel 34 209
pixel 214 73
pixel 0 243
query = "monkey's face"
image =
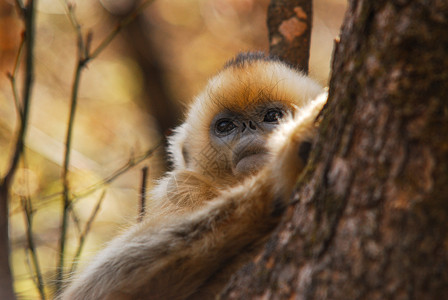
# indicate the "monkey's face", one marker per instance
pixel 241 136
pixel 226 129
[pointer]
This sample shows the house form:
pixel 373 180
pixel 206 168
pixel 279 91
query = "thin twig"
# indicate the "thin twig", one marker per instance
pixel 6 284
pixel 29 266
pixel 143 194
pixel 83 59
pixel 29 78
pixel 131 17
pixel 82 49
pixel 27 207
pixel 28 213
pixel 86 231
pixel 12 78
pixel 75 219
pixel 130 164
pixel 48 199
pixel 65 180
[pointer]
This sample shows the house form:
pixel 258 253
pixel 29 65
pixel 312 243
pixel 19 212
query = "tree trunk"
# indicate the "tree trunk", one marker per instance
pixel 289 25
pixel 371 218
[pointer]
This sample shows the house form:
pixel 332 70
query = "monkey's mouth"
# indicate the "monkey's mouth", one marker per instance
pixel 250 161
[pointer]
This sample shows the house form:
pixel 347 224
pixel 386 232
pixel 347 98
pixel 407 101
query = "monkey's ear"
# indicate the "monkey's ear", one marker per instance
pixel 177 148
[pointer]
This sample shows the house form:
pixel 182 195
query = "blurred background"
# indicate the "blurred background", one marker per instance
pixel 129 97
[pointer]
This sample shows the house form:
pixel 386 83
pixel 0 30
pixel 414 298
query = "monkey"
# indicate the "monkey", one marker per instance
pixel 236 160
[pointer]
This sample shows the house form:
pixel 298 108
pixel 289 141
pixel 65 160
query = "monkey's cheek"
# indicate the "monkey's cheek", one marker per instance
pixel 250 164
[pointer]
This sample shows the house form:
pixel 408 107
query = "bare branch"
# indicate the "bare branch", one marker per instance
pixel 6 282
pixel 65 181
pixel 131 17
pixel 29 78
pixel 28 214
pixel 83 58
pixel 75 219
pixel 143 194
pixel 12 79
pixel 48 199
pixel 86 231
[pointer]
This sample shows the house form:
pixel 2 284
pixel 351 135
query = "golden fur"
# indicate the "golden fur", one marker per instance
pixel 201 229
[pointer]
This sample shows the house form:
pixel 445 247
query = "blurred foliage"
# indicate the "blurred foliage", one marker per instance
pixel 192 40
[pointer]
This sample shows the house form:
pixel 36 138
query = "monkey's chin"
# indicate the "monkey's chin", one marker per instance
pixel 250 164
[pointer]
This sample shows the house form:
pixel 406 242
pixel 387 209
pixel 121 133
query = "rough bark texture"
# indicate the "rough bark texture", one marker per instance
pixel 289 25
pixel 372 217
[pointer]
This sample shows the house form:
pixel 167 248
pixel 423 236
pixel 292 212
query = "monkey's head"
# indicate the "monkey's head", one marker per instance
pixel 226 130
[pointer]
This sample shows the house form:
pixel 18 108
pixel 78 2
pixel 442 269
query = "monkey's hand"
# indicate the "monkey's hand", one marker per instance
pixel 285 145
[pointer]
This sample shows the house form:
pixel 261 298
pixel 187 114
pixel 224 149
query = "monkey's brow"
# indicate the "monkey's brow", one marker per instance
pixel 269 104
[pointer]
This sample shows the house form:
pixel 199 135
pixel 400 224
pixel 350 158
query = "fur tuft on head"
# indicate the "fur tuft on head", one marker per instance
pixel 246 58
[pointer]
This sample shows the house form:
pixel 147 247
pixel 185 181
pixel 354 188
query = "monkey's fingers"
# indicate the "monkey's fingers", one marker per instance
pixel 287 163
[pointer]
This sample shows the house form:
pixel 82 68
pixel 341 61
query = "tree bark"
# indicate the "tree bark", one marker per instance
pixel 289 25
pixel 370 218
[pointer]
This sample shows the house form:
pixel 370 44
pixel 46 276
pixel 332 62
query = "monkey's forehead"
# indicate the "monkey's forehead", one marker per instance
pixel 243 87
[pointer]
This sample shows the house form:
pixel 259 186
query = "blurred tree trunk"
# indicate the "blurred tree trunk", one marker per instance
pixel 289 24
pixel 156 96
pixel 371 218
pixel 156 93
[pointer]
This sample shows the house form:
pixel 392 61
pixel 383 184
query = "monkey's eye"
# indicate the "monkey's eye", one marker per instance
pixel 273 115
pixel 224 126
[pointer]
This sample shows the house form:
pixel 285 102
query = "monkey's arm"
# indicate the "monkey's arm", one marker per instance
pixel 176 256
pixel 173 258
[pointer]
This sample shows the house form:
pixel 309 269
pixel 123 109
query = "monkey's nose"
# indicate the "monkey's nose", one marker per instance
pixel 252 125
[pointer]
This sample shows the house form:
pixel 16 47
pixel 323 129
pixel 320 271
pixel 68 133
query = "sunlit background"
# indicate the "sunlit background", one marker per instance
pixel 129 97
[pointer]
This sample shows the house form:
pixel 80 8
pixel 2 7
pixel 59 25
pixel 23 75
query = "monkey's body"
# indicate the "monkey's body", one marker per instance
pixel 212 211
